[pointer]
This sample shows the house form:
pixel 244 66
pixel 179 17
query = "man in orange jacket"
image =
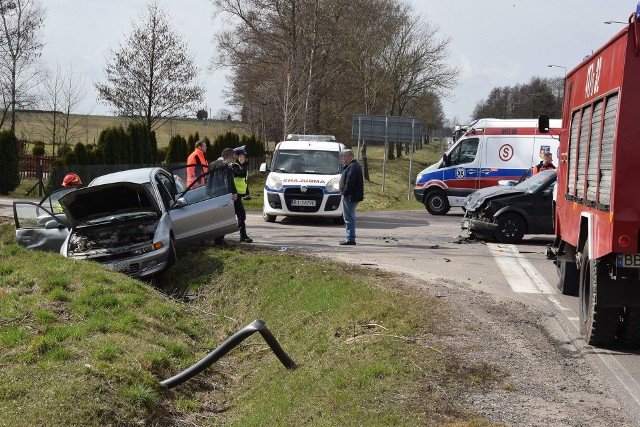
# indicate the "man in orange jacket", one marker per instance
pixel 545 164
pixel 197 164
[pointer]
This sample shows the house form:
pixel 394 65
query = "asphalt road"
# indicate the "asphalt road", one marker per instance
pixel 434 247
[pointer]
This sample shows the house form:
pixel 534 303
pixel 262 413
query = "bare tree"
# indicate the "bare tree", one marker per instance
pixel 20 47
pixel 151 78
pixel 60 96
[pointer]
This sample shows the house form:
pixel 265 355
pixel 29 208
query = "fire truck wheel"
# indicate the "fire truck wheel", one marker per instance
pixel 269 218
pixel 630 331
pixel 511 228
pixel 598 325
pixel 437 203
pixel 568 278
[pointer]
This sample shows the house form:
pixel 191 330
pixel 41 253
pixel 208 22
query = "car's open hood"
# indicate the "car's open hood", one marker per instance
pixel 99 201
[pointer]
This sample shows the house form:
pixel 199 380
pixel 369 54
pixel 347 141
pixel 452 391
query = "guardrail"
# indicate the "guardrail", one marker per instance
pixel 226 347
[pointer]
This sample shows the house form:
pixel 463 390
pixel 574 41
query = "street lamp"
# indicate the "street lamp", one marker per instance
pixel 559 66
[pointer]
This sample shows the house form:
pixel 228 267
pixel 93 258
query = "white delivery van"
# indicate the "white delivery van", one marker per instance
pixel 304 178
pixel 490 150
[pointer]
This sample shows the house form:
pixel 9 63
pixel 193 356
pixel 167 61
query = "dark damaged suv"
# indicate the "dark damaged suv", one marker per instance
pixel 506 214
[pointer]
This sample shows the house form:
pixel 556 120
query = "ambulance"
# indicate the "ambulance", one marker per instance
pixel 490 150
pixel 304 179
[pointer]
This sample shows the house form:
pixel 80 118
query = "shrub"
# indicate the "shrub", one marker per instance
pixel 38 148
pixel 9 164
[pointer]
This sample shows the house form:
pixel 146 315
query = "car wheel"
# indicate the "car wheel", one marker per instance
pixel 339 220
pixel 511 228
pixel 268 218
pixel 437 203
pixel 173 255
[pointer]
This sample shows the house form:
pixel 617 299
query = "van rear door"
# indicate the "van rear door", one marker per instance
pixel 504 158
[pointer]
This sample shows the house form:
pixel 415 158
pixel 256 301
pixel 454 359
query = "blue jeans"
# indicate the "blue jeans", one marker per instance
pixel 349 214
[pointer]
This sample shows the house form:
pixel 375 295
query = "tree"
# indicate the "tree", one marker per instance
pixel 151 78
pixel 60 96
pixel 9 165
pixel 202 114
pixel 20 46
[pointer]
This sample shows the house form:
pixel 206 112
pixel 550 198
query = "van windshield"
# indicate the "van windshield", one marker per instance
pixel 306 161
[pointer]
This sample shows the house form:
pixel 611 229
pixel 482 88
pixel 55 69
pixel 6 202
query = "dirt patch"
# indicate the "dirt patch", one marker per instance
pixel 543 382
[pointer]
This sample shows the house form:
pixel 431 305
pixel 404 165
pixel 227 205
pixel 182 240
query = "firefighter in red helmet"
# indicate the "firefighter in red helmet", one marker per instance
pixel 71 180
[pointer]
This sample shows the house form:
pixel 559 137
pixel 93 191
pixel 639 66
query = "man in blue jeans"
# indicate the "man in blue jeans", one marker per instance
pixel 352 189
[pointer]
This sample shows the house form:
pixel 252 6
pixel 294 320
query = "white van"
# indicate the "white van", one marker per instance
pixel 491 150
pixel 304 178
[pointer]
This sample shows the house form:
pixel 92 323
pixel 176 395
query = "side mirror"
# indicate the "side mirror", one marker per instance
pixel 181 202
pixel 52 224
pixel 445 160
pixel 543 123
pixel 263 168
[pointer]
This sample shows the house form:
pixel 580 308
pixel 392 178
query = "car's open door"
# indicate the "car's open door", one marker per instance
pixel 205 211
pixel 40 225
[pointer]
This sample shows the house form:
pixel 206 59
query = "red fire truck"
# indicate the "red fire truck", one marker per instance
pixel 597 205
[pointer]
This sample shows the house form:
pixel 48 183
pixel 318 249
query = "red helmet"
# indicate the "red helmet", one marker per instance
pixel 71 180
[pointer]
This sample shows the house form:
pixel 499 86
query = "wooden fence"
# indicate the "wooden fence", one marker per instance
pixel 30 165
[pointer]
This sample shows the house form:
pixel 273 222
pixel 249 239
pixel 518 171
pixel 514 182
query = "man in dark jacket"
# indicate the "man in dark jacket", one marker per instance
pixel 352 189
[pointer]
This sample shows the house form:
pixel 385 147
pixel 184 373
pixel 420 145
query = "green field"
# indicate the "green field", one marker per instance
pixel 33 126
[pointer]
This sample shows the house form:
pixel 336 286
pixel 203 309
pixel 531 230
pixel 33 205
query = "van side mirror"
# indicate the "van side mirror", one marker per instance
pixel 445 160
pixel 263 168
pixel 543 123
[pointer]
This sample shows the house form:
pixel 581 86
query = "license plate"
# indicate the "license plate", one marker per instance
pixel 628 260
pixel 303 202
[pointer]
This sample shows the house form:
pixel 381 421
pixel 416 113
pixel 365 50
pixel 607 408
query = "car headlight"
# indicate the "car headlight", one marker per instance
pixel 274 182
pixel 333 185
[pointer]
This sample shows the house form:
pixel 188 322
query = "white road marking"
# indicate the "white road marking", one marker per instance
pixel 520 274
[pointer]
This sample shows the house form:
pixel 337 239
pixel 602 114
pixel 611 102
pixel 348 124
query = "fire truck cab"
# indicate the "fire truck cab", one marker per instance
pixel 597 206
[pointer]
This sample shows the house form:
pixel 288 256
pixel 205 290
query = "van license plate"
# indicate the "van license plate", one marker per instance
pixel 303 202
pixel 628 260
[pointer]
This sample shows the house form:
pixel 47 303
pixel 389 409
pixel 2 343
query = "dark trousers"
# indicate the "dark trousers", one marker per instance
pixel 241 214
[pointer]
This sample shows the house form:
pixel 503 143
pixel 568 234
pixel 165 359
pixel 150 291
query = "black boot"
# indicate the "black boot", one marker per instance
pixel 243 232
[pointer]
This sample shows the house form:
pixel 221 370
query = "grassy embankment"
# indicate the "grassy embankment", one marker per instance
pixel 80 345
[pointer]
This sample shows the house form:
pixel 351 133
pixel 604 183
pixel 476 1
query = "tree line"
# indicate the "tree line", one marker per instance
pixel 307 66
pixel 523 101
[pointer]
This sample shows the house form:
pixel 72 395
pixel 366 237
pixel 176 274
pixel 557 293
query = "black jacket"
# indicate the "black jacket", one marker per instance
pixel 352 183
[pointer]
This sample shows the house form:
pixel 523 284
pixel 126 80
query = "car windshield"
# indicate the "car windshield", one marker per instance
pixel 306 161
pixel 536 181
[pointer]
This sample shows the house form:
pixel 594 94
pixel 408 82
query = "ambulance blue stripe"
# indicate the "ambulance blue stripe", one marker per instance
pixel 453 174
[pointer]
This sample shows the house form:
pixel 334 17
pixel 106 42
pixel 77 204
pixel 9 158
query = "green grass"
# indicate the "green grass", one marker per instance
pixel 80 345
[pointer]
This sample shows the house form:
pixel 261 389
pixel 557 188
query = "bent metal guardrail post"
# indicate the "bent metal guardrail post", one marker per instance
pixel 226 347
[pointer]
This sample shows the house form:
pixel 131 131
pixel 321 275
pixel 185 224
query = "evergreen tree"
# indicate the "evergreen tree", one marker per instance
pixel 9 162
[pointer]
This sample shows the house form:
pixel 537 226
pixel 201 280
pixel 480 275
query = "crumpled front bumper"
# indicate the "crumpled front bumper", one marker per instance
pixel 478 226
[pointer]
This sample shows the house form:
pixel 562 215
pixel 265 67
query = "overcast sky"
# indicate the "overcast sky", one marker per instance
pixel 493 42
